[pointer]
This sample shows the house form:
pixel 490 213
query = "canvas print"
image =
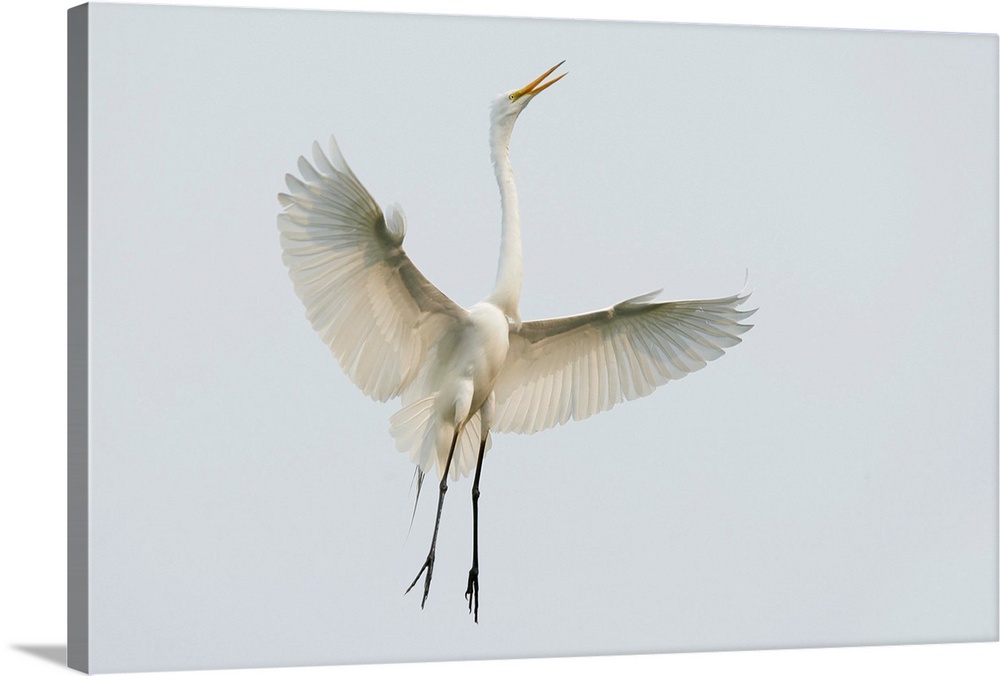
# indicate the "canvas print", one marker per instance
pixel 320 319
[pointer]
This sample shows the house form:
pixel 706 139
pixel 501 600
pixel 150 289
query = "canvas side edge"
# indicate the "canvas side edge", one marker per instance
pixel 77 476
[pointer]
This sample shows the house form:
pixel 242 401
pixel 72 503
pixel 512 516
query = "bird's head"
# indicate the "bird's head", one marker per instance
pixel 509 105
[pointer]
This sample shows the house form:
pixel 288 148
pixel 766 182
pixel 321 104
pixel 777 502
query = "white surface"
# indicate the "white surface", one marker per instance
pixel 37 598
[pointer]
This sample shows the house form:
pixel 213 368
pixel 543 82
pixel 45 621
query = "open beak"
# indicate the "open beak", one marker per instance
pixel 533 87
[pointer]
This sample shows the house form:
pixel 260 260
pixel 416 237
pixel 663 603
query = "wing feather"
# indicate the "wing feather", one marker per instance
pixel 574 367
pixel 364 297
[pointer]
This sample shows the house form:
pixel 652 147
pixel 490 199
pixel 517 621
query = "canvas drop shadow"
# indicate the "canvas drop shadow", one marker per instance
pixel 50 653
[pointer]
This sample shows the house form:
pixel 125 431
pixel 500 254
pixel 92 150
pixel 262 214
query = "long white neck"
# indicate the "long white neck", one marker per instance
pixel 507 292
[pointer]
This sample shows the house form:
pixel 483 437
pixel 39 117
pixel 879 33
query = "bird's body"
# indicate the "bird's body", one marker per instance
pixel 462 373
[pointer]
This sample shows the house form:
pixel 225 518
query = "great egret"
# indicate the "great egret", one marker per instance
pixel 462 373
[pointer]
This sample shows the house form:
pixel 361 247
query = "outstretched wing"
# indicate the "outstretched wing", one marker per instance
pixel 574 367
pixel 362 293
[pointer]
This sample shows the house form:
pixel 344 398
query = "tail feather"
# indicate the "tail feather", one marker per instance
pixel 425 438
pixel 468 448
pixel 416 434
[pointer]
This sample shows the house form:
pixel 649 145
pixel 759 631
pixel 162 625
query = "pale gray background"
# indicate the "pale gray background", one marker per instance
pixel 830 482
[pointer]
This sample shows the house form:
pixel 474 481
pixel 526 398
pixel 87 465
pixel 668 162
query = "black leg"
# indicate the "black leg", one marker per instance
pixel 472 591
pixel 429 563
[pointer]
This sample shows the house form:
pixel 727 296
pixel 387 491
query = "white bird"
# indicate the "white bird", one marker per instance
pixel 463 373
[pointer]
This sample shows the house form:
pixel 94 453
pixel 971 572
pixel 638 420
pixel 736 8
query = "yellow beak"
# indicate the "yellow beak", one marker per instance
pixel 532 87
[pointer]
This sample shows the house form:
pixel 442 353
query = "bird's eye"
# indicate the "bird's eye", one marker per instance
pixel 511 97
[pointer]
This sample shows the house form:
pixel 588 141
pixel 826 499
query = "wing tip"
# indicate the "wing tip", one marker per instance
pixel 747 289
pixel 336 158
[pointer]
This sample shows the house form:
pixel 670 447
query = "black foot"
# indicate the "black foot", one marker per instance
pixel 472 593
pixel 429 567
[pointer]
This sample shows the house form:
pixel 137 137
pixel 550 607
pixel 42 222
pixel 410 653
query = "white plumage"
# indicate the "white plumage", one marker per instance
pixel 574 367
pixel 461 373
